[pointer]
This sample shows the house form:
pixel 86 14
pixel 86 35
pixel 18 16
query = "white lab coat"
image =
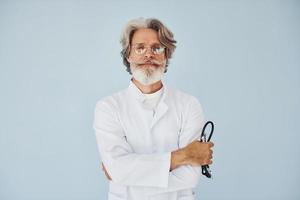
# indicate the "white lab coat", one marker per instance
pixel 137 153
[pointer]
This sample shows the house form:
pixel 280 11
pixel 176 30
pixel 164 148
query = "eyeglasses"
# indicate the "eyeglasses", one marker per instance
pixel 155 49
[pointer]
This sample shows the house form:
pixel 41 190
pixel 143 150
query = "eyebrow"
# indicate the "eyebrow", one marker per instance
pixel 141 43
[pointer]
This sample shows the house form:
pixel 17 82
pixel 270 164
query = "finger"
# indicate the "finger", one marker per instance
pixel 107 176
pixel 207 162
pixel 211 144
pixel 210 153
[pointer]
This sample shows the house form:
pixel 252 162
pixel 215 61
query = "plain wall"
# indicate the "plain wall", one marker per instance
pixel 241 59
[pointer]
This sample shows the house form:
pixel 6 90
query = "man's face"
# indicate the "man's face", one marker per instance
pixel 146 67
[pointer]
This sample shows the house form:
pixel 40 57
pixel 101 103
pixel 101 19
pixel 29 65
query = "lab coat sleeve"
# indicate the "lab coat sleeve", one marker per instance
pixel 186 176
pixel 124 165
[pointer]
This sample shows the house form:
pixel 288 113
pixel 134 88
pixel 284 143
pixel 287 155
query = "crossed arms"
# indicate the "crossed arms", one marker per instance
pixel 160 172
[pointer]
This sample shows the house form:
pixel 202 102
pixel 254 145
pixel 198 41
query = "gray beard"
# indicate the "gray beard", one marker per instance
pixel 147 75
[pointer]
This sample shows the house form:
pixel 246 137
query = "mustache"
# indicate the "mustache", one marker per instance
pixel 151 62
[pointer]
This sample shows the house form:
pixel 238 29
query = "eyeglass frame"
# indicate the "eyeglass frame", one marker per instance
pixel 147 47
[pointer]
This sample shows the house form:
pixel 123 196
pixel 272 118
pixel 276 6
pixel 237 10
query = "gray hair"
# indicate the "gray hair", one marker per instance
pixel 165 37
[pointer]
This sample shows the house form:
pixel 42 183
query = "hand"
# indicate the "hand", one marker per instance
pixel 105 172
pixel 198 153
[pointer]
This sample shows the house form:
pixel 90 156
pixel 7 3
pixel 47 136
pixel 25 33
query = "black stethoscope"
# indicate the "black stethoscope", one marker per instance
pixel 205 168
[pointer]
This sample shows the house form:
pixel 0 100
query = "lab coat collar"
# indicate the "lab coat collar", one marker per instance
pixel 162 107
pixel 141 97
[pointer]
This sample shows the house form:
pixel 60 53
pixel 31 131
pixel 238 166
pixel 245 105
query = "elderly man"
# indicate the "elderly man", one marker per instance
pixel 148 134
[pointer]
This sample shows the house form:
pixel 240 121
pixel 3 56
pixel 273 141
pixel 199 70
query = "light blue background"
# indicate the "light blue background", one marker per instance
pixel 240 58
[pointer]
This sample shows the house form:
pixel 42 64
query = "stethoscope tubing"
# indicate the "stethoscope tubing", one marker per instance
pixel 205 168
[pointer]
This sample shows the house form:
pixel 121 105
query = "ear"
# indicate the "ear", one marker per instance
pixel 128 59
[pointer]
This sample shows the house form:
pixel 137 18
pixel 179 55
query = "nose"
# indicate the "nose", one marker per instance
pixel 149 53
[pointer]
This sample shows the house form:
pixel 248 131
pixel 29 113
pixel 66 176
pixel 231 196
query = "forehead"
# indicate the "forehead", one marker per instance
pixel 145 36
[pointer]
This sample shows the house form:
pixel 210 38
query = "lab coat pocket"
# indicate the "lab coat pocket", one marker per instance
pixel 186 198
pixel 186 195
pixel 164 196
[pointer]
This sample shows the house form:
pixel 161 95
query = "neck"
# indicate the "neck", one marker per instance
pixel 148 89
